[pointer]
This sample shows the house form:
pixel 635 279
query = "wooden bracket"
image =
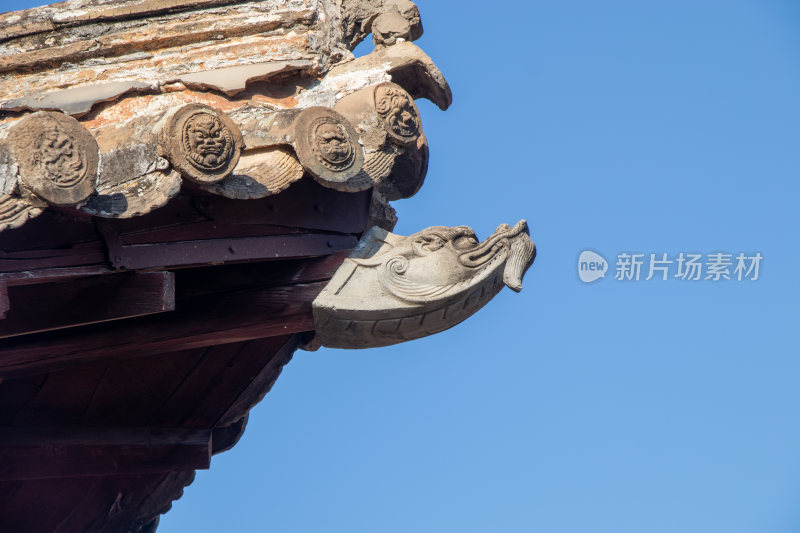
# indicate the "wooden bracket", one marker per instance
pixel 112 240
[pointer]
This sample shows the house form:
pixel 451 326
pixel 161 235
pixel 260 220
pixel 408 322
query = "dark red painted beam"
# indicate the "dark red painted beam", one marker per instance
pixel 50 306
pixel 45 453
pixel 81 255
pixel 199 252
pixel 306 204
pixel 3 299
pixel 207 229
pixel 195 323
pixel 48 275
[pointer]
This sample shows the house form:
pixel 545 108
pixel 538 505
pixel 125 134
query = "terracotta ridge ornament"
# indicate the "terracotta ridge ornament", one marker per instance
pixel 57 157
pixel 398 111
pixel 327 146
pixel 46 158
pixel 202 143
pixel 394 289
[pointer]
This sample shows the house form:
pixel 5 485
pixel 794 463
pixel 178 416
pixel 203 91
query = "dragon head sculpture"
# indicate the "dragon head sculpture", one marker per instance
pixel 394 288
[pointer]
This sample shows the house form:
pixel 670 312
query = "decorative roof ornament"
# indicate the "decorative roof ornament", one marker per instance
pixel 57 157
pixel 394 289
pixel 202 143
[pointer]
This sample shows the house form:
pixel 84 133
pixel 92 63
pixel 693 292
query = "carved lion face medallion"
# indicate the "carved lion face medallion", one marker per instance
pixel 327 146
pixel 398 111
pixel 58 157
pixel 204 144
pixel 331 145
pixel 207 141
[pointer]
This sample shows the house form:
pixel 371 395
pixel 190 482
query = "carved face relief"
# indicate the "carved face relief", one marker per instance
pixel 327 146
pixel 202 143
pixel 208 143
pixel 57 158
pixel 452 255
pixel 332 145
pixel 397 109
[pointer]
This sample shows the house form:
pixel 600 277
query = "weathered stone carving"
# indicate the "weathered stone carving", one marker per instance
pixel 389 27
pixel 393 288
pixel 398 111
pixel 207 144
pixel 331 144
pixel 202 143
pixel 327 145
pixel 380 111
pixel 388 20
pixel 57 157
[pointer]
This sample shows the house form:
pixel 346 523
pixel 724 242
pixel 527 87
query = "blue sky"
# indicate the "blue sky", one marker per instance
pixel 618 407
